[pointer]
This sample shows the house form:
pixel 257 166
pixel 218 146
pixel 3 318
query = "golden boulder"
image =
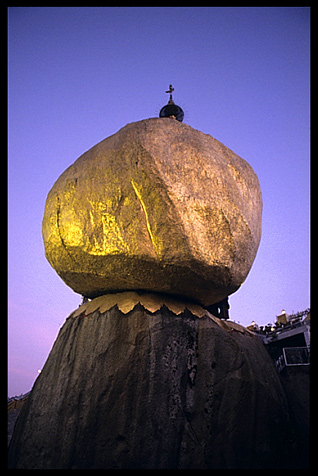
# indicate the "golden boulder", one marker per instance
pixel 158 206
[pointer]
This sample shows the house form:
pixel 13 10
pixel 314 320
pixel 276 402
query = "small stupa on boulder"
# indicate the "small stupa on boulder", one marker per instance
pixel 171 109
pixel 153 226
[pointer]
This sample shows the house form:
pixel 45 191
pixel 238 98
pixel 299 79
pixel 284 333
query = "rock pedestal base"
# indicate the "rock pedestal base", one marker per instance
pixel 154 391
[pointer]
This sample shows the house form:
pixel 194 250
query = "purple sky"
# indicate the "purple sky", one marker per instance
pixel 77 75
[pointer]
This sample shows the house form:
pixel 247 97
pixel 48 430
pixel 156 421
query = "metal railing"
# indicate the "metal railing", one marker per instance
pixel 293 356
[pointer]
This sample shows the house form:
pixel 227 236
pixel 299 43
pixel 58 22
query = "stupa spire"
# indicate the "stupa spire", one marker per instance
pixel 170 91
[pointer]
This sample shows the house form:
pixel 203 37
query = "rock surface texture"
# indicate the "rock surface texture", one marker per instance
pixel 158 206
pixel 163 390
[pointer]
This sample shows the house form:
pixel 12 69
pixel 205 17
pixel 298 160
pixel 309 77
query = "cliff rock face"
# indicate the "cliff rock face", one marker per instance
pixel 163 389
pixel 158 206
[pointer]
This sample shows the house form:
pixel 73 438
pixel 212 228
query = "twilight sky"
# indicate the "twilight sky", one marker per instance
pixel 78 75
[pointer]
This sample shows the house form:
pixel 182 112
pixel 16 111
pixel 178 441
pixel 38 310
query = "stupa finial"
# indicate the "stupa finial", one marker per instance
pixel 170 91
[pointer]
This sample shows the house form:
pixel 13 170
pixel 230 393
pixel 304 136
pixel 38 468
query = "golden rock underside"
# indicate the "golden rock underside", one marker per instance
pixel 158 206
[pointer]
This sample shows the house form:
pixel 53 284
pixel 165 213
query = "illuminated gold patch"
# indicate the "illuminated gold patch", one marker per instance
pixel 153 240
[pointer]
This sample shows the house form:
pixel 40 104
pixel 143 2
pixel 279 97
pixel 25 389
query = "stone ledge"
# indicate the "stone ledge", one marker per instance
pixel 127 301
